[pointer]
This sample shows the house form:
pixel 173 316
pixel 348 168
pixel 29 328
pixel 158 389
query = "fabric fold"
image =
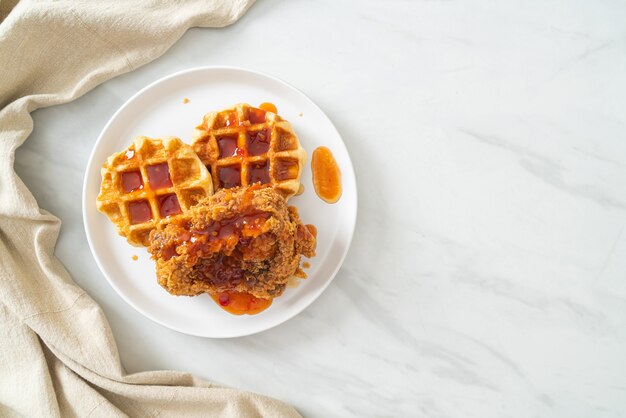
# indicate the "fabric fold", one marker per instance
pixel 57 353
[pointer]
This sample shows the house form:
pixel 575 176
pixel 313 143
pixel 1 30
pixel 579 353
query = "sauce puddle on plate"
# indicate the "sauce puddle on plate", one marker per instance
pixel 268 107
pixel 238 303
pixel 326 175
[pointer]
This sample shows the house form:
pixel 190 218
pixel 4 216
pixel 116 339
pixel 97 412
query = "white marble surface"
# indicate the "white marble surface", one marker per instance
pixel 487 277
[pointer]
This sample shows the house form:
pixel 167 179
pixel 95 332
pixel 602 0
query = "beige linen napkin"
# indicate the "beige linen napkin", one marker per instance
pixel 57 353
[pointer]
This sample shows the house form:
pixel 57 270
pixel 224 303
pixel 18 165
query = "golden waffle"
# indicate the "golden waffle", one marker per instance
pixel 151 180
pixel 245 145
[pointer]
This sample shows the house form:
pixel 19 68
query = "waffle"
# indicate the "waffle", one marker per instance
pixel 245 145
pixel 151 180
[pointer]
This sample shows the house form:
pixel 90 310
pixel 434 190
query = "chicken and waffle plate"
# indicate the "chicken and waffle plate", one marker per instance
pixel 214 214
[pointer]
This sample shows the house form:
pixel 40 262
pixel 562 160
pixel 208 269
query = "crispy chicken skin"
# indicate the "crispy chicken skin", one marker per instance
pixel 243 239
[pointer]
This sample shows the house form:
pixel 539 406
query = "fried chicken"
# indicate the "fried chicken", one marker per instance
pixel 243 239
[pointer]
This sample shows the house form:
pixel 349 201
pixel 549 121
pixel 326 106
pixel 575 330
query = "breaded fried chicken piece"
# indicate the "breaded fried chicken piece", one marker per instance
pixel 243 239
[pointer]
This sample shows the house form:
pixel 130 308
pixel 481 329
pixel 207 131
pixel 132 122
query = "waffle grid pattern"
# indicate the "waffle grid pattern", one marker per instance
pixel 187 179
pixel 233 145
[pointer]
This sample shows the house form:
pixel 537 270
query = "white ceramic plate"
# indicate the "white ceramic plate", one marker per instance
pixel 158 110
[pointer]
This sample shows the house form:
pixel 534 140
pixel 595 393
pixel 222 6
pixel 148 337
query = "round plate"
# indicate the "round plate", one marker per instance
pixel 158 110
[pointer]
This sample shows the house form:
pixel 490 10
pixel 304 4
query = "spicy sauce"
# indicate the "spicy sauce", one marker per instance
pixel 168 205
pixel 238 303
pixel 256 115
pixel 139 212
pixel 258 142
pixel 159 176
pixel 229 176
pixel 131 181
pixel 227 120
pixel 268 107
pixel 326 175
pixel 227 146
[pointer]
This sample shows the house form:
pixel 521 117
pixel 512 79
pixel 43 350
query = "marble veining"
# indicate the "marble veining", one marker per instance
pixel 487 272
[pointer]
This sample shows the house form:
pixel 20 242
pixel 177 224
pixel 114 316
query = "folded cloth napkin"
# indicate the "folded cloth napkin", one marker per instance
pixel 57 353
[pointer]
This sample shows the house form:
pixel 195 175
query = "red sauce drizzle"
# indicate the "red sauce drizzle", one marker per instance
pixel 168 205
pixel 268 107
pixel 230 119
pixel 139 211
pixel 169 252
pixel 131 180
pixel 159 176
pixel 238 303
pixel 236 233
pixel 246 225
pixel 227 146
pixel 229 176
pixel 326 175
pixel 256 115
pixel 258 142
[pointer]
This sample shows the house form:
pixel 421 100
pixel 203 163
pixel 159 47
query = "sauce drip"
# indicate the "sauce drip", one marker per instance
pixel 159 176
pixel 256 115
pixel 229 119
pixel 230 176
pixel 304 232
pixel 258 142
pixel 139 212
pixel 268 107
pixel 227 146
pixel 219 248
pixel 131 180
pixel 168 205
pixel 326 175
pixel 245 225
pixel 238 303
